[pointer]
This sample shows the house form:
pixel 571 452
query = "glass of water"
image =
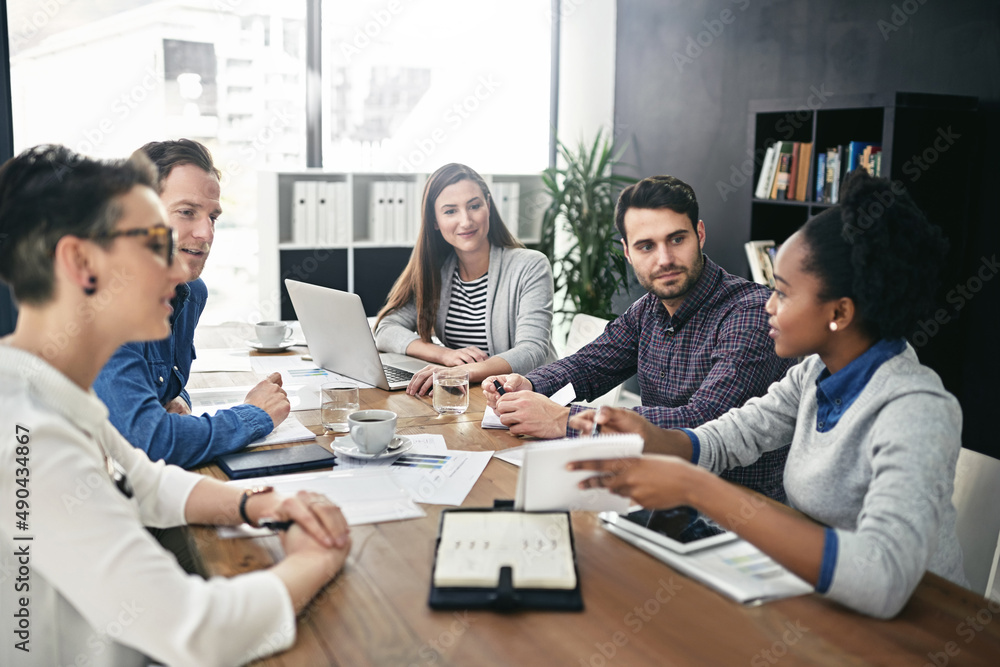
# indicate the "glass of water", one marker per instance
pixel 451 391
pixel 339 399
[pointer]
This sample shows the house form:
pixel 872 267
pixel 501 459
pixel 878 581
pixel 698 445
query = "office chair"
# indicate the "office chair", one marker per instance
pixel 976 498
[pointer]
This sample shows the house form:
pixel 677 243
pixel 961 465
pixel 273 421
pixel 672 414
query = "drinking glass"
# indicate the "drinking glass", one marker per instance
pixel 339 400
pixel 451 391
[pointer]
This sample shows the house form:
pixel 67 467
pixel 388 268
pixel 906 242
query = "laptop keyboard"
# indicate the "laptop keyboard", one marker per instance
pixel 393 374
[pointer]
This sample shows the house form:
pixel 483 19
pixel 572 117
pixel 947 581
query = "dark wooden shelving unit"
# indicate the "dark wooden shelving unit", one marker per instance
pixel 930 145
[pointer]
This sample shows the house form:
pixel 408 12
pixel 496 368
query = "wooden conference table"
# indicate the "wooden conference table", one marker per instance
pixel 638 611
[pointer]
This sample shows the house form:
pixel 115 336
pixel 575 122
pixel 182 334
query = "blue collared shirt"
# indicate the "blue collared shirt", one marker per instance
pixel 141 378
pixel 836 392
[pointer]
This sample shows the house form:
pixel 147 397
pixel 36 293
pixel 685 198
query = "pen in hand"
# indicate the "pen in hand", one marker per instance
pixel 496 383
pixel 275 524
pixel 596 430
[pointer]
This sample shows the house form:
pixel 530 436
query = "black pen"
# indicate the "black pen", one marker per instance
pixel 274 524
pixel 596 430
pixel 496 383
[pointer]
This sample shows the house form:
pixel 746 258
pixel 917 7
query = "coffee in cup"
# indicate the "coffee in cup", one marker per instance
pixel 372 430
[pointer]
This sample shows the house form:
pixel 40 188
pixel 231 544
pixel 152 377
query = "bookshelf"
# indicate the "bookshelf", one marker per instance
pixel 907 125
pixel 931 144
pixel 332 229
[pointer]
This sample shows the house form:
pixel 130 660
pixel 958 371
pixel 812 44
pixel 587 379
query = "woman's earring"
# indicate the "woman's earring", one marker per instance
pixel 92 289
pixel 833 326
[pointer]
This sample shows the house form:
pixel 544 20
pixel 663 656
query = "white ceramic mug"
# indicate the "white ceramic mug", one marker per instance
pixel 372 430
pixel 272 334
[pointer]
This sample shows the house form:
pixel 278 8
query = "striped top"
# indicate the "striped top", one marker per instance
pixel 465 324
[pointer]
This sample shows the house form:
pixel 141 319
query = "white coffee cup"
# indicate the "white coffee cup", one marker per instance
pixel 272 334
pixel 372 430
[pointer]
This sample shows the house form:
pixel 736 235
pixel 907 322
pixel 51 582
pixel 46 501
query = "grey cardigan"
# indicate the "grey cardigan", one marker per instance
pixel 518 310
pixel 882 478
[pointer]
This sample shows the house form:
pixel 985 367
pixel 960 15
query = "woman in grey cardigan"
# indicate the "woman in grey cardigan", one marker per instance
pixel 874 434
pixel 470 283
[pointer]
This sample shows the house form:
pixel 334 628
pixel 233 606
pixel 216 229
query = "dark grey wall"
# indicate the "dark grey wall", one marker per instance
pixel 688 116
pixel 684 106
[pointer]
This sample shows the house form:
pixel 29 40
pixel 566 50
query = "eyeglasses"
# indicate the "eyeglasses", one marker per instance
pixel 162 239
pixel 117 472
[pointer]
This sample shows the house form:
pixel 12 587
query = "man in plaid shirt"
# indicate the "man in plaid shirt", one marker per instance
pixel 698 340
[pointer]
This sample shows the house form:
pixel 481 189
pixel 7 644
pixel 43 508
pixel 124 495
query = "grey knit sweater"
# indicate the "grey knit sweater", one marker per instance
pixel 518 310
pixel 882 478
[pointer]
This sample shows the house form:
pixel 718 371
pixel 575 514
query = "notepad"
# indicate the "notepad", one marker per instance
pixel 474 546
pixel 545 485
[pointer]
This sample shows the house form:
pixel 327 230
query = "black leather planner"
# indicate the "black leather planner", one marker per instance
pixel 264 462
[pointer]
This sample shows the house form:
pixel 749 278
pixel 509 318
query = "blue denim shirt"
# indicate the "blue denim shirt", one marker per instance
pixel 837 391
pixel 141 378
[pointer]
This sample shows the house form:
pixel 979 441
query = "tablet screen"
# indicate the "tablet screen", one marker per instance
pixel 681 524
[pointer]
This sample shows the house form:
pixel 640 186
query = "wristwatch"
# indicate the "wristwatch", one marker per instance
pixel 252 491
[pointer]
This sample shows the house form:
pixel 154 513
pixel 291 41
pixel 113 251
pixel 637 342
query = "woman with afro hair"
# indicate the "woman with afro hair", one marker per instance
pixel 874 434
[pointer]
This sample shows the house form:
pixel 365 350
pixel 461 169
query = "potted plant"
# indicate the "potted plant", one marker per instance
pixel 584 191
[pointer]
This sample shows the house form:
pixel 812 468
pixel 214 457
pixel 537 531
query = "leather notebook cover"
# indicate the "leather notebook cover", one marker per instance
pixel 241 465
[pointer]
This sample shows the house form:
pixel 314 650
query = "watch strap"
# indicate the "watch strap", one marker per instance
pixel 245 496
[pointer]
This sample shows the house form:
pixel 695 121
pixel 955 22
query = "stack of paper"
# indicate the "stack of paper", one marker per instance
pixel 430 472
pixel 364 496
pixel 210 401
pixel 738 569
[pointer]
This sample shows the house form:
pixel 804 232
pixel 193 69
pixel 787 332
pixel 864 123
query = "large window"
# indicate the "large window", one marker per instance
pixel 412 85
pixel 408 85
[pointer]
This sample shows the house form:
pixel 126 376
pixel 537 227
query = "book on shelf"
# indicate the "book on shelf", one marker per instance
pixel 840 161
pixel 802 182
pixel 766 173
pixel 300 202
pixel 784 171
pixel 759 258
pixel 781 171
pixel 820 177
pixel 312 213
pixel 830 186
pixel 324 214
pixel 393 212
pixel 320 213
pixel 793 171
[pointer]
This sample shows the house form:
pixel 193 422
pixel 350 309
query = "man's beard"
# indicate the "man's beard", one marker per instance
pixel 677 290
pixel 196 263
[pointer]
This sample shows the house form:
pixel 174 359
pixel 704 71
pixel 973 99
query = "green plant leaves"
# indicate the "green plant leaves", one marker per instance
pixel 584 193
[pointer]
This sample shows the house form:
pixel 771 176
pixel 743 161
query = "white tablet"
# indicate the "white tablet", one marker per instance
pixel 681 529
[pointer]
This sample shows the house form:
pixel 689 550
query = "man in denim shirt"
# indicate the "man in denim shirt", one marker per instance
pixel 143 383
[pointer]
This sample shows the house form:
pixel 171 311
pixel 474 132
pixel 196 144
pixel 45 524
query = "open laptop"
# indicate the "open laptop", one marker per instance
pixel 340 338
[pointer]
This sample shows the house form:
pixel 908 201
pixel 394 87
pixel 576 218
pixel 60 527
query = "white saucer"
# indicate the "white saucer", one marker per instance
pixel 260 347
pixel 347 447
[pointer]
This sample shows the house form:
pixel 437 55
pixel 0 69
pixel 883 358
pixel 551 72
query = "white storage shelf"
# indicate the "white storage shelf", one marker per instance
pixel 314 220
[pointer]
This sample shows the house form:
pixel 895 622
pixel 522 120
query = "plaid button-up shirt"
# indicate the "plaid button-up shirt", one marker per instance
pixel 712 355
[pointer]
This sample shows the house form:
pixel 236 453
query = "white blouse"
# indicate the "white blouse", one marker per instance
pixel 100 590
